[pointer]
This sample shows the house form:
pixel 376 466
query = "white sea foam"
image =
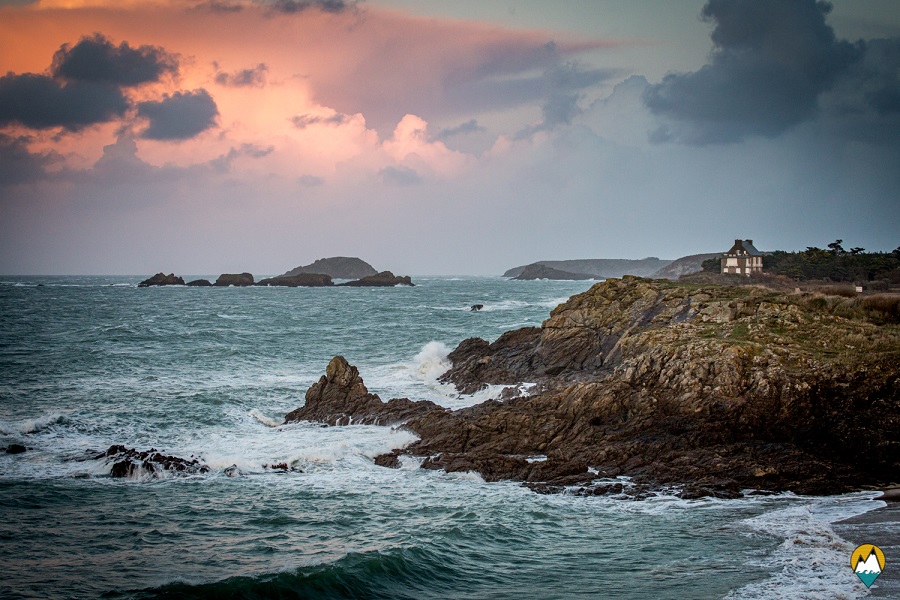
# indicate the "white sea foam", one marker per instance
pixel 432 362
pixel 267 421
pixel 31 425
pixel 812 561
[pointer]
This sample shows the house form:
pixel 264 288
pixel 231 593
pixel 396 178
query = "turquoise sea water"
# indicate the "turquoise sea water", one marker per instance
pixel 87 362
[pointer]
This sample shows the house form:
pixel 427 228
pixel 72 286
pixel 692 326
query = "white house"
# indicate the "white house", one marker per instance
pixel 742 259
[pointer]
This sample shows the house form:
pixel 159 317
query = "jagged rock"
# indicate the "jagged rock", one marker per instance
pixel 383 279
pixel 162 279
pixel 697 390
pixel 15 449
pixel 128 462
pixel 341 398
pixel 539 271
pixel 199 283
pixel 338 267
pixel 233 471
pixel 235 279
pixel 476 307
pixel 299 280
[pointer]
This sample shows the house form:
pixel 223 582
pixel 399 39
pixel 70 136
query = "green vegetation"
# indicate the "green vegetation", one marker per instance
pixel 881 269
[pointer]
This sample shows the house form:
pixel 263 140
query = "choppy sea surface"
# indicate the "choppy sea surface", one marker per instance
pixel 88 362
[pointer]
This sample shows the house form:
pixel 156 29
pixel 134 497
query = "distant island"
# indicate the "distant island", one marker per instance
pixel 337 267
pixel 541 271
pixel 317 274
pixel 600 268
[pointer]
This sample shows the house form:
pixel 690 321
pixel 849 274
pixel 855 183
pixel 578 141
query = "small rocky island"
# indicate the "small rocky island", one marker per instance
pixel 699 390
pixel 318 274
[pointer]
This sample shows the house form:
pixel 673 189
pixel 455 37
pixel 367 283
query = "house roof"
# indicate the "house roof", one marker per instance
pixel 744 247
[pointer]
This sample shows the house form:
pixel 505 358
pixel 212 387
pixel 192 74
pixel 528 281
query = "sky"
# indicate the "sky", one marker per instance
pixel 433 137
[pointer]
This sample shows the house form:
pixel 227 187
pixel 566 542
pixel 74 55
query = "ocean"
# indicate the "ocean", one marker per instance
pixel 89 362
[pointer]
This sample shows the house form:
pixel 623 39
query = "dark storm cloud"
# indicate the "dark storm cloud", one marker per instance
pixel 95 59
pixel 180 116
pixel 20 165
pixel 296 6
pixel 470 126
pixel 255 77
pixel 304 121
pixel 41 102
pixel 223 163
pixel 399 176
pixel 772 59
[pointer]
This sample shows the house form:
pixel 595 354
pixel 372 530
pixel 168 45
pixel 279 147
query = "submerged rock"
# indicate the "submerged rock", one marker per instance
pixel 162 279
pixel 699 391
pixel 235 279
pixel 129 462
pixel 16 449
pixel 383 279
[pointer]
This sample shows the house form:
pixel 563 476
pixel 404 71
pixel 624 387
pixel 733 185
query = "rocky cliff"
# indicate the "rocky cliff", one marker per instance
pixel 703 390
pixel 337 267
pixel 684 266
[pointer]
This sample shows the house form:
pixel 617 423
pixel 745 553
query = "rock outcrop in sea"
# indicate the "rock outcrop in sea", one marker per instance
pixel 162 279
pixel 539 271
pixel 383 279
pixel 699 390
pixel 235 279
pixel 130 462
pixel 300 280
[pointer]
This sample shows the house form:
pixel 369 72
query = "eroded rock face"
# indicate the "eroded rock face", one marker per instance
pixel 383 279
pixel 162 279
pixel 700 390
pixel 235 279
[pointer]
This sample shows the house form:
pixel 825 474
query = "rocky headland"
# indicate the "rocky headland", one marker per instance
pixel 539 271
pixel 695 389
pixel 599 268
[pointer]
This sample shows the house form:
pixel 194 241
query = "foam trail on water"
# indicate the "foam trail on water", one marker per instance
pixel 812 561
pixel 267 421
pixel 31 425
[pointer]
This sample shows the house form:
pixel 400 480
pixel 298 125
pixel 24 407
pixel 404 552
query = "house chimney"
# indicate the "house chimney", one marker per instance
pixel 749 242
pixel 737 242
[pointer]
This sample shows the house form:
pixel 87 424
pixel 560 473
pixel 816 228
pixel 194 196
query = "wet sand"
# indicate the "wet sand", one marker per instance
pixel 882 528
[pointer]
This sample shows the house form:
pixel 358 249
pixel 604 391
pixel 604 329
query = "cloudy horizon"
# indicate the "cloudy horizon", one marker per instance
pixel 201 137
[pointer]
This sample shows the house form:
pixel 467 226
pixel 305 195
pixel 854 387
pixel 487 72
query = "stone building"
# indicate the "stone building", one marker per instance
pixel 742 259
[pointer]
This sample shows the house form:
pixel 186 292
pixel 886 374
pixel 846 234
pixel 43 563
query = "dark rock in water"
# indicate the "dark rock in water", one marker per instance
pixel 15 449
pixel 539 271
pixel 162 279
pixel 476 307
pixel 341 398
pixel 692 390
pixel 235 279
pixel 383 279
pixel 233 471
pixel 300 280
pixel 129 462
pixel 338 267
pixel 199 283
pixel 390 460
